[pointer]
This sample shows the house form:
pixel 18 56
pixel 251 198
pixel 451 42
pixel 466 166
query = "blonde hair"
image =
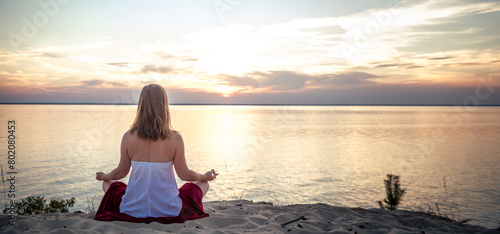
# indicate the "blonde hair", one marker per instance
pixel 153 116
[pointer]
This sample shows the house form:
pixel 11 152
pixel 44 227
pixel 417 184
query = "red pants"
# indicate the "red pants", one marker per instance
pixel 190 194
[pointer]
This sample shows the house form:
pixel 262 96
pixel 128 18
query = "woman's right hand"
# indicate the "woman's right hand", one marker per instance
pixel 99 175
pixel 211 175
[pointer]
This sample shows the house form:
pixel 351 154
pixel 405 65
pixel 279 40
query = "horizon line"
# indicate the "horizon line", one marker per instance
pixel 227 104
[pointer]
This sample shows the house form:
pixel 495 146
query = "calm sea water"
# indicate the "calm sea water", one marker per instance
pixel 338 155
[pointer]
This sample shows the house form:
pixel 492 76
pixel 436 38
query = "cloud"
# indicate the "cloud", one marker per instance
pixel 164 55
pixel 325 30
pixel 52 55
pixel 189 59
pixel 4 53
pixel 273 80
pixel 471 31
pixel 98 82
pixel 68 94
pixel 441 58
pixel 244 81
pixel 343 79
pixel 119 83
pixel 397 65
pixel 181 58
pixel 283 80
pixel 289 80
pixel 157 69
pixel 92 82
pixel 123 64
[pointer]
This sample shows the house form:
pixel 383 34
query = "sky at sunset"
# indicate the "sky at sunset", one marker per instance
pixel 252 52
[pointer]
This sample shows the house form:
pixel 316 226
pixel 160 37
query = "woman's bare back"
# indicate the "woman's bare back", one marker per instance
pixel 147 150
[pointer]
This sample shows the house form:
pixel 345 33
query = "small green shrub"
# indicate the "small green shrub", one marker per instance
pixel 394 193
pixel 37 205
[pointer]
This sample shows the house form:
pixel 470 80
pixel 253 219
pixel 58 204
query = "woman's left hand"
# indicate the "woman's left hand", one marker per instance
pixel 211 175
pixel 99 175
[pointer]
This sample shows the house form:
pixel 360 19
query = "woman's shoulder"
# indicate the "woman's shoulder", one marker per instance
pixel 128 135
pixel 175 136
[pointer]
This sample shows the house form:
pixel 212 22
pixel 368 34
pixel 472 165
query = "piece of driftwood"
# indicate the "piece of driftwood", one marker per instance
pixel 295 220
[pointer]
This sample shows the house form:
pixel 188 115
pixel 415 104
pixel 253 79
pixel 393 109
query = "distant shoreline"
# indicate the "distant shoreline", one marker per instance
pixel 228 104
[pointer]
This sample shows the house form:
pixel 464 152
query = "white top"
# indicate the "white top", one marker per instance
pixel 151 191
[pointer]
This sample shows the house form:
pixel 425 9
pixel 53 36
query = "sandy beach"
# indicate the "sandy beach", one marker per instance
pixel 246 216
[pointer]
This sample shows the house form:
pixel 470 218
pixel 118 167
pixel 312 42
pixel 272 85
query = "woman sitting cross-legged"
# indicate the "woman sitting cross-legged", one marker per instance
pixel 152 148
